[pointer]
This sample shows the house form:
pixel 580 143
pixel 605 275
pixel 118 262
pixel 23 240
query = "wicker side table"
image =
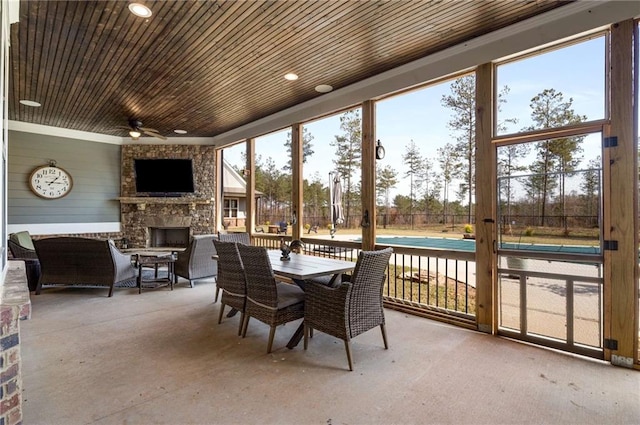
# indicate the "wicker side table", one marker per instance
pixel 155 259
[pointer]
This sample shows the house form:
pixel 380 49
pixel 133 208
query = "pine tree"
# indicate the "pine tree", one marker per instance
pixel 387 178
pixel 414 162
pixel 447 157
pixel 316 196
pixel 462 101
pixel 550 110
pixel 590 187
pixel 508 165
pixel 429 185
pixel 508 156
pixel 307 147
pixel 463 124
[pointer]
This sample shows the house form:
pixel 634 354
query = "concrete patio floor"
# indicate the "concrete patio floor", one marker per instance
pixel 161 358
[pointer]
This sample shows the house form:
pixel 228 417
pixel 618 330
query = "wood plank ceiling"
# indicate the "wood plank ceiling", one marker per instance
pixel 210 66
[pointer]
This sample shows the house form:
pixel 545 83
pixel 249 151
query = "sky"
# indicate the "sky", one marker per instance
pixel 577 71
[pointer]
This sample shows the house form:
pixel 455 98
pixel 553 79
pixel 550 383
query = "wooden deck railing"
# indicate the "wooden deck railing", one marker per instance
pixel 434 283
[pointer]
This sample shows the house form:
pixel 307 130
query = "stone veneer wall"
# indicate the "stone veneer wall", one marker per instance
pixel 199 216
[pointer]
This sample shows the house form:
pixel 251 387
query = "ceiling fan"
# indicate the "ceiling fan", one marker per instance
pixel 136 130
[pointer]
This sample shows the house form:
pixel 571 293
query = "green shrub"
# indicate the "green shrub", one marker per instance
pixel 468 228
pixel 528 231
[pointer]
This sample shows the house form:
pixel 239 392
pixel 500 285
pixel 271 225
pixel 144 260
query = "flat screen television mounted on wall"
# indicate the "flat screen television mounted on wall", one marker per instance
pixel 163 177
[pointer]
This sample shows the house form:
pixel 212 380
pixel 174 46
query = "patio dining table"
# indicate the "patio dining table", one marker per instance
pixel 304 267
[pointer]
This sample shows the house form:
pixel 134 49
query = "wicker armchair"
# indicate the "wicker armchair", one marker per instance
pixel 231 279
pixel 271 302
pixel 21 246
pixel 241 238
pixel 83 262
pixel 196 262
pixel 352 308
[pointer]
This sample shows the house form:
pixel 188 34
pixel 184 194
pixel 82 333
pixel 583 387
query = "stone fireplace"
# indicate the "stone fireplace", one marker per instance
pixel 157 221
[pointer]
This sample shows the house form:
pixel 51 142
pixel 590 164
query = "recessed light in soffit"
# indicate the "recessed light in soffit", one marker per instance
pixel 180 131
pixel 291 76
pixel 140 10
pixel 33 103
pixel 324 88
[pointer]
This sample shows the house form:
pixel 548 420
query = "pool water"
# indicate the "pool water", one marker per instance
pixel 470 245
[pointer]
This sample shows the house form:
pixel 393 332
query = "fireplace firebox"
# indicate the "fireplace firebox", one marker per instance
pixel 160 237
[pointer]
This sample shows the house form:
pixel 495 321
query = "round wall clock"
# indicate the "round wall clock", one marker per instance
pixel 50 182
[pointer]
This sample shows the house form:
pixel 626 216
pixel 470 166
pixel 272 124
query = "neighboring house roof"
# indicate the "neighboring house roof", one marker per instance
pixel 234 183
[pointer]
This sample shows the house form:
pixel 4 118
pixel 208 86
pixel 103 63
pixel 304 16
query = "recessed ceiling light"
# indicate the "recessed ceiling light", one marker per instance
pixel 140 10
pixel 324 88
pixel 291 76
pixel 30 103
pixel 180 131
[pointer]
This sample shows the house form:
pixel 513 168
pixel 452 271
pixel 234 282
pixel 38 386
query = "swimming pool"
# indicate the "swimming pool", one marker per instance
pixel 470 245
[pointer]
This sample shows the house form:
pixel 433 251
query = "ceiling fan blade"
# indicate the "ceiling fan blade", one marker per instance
pixel 152 134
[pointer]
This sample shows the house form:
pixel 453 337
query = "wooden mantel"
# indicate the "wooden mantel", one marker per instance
pixel 142 201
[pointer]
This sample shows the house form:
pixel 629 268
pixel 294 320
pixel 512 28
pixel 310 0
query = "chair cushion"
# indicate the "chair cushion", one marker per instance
pixel 23 239
pixel 288 294
pixel 326 280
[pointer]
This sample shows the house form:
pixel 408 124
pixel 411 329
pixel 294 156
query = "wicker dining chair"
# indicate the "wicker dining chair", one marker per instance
pixel 231 279
pixel 351 308
pixel 241 238
pixel 269 301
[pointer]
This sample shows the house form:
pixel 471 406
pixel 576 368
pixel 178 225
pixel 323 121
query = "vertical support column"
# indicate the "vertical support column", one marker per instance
pixel 621 205
pixel 250 172
pixel 219 190
pixel 297 202
pixel 368 175
pixel 486 289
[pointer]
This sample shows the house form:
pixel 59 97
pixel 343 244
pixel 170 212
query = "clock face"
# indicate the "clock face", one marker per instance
pixel 50 182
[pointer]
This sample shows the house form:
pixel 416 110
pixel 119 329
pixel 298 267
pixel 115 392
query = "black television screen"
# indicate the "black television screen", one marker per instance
pixel 164 176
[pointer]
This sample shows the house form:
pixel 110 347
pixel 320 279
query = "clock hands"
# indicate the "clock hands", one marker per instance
pixel 54 181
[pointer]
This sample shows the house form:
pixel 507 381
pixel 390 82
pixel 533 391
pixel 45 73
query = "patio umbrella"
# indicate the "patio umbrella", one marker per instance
pixel 336 201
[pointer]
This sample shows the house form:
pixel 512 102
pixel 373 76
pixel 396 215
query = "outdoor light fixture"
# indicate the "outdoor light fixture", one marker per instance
pixel 379 150
pixel 135 134
pixel 365 219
